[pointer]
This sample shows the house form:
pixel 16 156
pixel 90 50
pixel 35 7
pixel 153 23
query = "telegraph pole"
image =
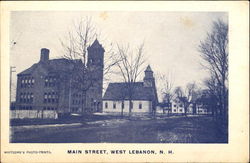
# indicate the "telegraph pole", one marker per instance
pixel 11 71
pixel 69 94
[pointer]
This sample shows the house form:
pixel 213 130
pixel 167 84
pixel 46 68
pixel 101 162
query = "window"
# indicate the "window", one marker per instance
pixel 31 97
pixel 46 81
pixel 122 104
pixel 32 80
pixel 114 105
pixel 180 105
pixel 174 105
pixel 140 106
pixel 21 97
pixel 28 97
pixel 45 97
pixel 180 110
pixel 49 97
pixel 50 81
pixel 106 105
pixel 174 110
pixel 24 97
pixel 131 104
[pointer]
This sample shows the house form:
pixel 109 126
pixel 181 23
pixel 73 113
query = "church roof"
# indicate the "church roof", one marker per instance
pixel 53 65
pixel 119 91
pixel 96 44
pixel 148 68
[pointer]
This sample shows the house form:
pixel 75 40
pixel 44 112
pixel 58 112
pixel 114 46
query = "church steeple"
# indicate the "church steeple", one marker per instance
pixel 148 79
pixel 96 45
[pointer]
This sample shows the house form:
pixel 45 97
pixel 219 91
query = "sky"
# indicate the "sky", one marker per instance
pixel 170 39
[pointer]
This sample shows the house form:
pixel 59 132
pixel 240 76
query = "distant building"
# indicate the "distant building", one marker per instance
pixel 144 98
pixel 177 106
pixel 164 107
pixel 205 103
pixel 48 86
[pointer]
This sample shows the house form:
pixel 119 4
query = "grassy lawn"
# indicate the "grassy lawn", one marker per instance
pixel 115 130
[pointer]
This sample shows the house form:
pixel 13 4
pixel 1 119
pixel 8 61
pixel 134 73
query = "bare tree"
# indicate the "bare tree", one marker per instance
pixel 165 85
pixel 75 47
pixel 186 96
pixel 214 96
pixel 214 51
pixel 130 65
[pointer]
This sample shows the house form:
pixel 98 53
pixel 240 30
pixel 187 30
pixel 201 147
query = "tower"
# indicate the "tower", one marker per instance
pixel 95 55
pixel 148 80
pixel 95 66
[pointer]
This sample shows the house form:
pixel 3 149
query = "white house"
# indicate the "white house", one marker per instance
pixel 144 96
pixel 201 109
pixel 177 107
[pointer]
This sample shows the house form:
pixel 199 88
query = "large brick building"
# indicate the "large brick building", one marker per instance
pixel 54 84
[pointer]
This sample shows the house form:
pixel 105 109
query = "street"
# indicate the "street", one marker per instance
pixel 162 130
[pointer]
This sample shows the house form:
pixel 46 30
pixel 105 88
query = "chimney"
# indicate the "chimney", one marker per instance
pixel 44 55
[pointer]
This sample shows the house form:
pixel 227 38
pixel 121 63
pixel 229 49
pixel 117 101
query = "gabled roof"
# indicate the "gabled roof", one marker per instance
pixel 119 91
pixel 53 65
pixel 29 70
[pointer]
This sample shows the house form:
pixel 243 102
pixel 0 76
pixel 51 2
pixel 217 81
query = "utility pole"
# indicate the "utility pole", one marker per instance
pixel 11 71
pixel 69 94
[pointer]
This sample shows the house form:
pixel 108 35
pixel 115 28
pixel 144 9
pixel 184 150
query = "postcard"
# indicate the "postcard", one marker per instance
pixel 124 81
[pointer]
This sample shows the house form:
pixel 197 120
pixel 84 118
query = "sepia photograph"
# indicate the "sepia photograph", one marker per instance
pixel 91 77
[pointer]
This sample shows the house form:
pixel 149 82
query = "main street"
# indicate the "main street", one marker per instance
pixel 160 130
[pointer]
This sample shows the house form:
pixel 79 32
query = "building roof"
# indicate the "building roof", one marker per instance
pixel 148 68
pixel 96 44
pixel 53 65
pixel 119 91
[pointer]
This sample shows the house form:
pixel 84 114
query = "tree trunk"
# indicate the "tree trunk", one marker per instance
pixel 130 107
pixel 122 113
pixel 185 110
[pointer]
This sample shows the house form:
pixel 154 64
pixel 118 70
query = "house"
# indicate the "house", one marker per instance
pixel 49 87
pixel 164 108
pixel 202 109
pixel 143 101
pixel 177 106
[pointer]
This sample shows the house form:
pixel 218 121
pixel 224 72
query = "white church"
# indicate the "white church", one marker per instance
pixel 144 98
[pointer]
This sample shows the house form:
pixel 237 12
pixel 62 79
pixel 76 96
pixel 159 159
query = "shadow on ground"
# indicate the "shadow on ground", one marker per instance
pixel 116 130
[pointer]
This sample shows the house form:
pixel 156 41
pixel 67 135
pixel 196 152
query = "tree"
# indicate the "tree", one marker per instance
pixel 214 94
pixel 214 51
pixel 75 46
pixel 187 96
pixel 130 67
pixel 165 84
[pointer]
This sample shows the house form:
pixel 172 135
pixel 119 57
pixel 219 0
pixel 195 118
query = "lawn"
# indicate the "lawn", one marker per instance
pixel 115 130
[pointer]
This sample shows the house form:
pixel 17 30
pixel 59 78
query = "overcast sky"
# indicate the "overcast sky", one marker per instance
pixel 170 38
